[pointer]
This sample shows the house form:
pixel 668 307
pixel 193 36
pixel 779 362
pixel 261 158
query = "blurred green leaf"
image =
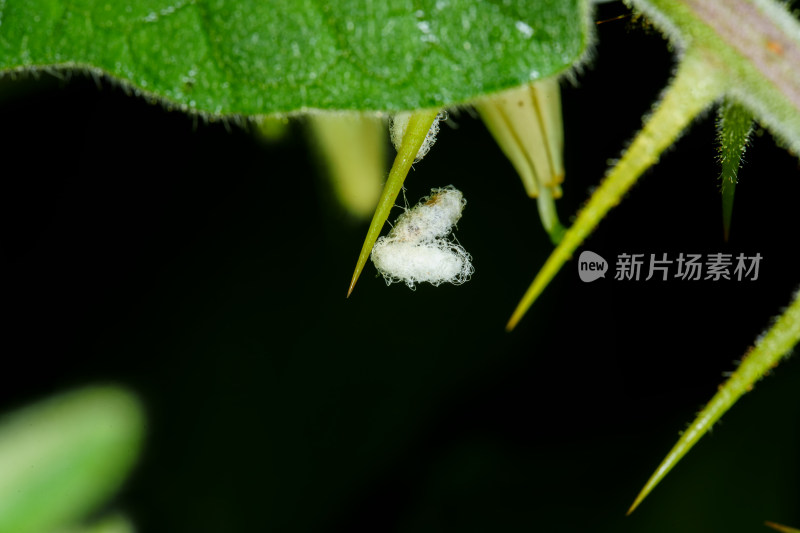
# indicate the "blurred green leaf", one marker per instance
pixel 263 57
pixel 62 457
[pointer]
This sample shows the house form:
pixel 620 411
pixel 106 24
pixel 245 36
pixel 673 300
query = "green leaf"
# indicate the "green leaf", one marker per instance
pixel 262 57
pixel 62 457
pixel 733 129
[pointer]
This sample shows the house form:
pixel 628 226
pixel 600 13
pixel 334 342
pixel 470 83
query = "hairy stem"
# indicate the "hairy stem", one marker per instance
pixel 755 43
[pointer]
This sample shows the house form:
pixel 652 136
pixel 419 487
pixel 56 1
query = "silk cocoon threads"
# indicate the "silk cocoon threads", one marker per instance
pixel 400 124
pixel 419 249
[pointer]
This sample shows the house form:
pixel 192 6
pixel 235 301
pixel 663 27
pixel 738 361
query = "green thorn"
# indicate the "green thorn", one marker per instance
pixel 417 130
pixel 733 130
pixel 694 88
pixel 770 349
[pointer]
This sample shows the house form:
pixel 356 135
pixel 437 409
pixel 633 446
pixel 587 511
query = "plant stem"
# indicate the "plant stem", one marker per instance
pixel 549 216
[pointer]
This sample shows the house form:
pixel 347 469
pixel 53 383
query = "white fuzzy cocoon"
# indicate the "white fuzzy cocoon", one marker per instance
pixel 419 249
pixel 398 131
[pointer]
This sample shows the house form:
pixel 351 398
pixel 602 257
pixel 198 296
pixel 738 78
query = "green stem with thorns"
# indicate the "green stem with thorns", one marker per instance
pixel 694 88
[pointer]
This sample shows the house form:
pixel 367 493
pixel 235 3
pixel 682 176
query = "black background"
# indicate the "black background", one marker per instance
pixel 206 270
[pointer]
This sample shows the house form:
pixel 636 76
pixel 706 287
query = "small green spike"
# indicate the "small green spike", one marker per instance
pixel 694 88
pixel 416 131
pixel 733 128
pixel 769 350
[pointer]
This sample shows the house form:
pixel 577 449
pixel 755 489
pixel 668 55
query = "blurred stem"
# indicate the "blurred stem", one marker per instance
pixel 781 528
pixel 273 128
pixel 352 145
